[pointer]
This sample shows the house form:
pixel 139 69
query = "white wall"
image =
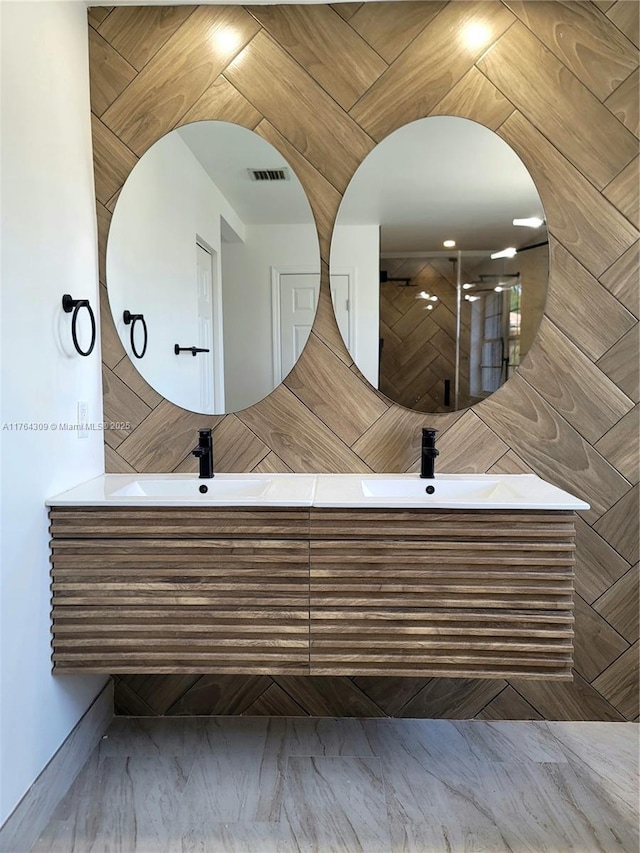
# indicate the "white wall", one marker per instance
pixel 357 247
pixel 166 202
pixel 48 248
pixel 246 297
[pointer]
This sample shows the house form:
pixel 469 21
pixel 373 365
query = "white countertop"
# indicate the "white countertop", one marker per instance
pixel 375 491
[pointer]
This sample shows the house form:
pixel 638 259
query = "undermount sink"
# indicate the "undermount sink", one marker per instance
pixel 444 491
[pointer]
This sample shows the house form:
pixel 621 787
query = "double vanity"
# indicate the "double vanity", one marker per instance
pixel 324 574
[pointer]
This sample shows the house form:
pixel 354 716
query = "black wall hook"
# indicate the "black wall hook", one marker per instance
pixel 68 305
pixel 193 350
pixel 132 319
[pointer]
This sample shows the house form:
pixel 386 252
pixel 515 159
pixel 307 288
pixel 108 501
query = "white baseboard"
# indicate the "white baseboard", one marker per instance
pixel 25 824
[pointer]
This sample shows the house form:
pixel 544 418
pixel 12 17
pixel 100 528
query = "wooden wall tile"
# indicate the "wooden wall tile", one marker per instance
pixel 112 349
pixel 346 10
pixel 112 161
pixel 603 5
pixel 324 325
pixel 570 382
pixel 97 14
pixel 103 217
pixel 274 702
pixel 619 605
pixel 313 447
pixel 121 405
pixel 621 279
pixel 115 464
pixel 169 434
pixel 138 32
pixel 509 705
pixel 393 443
pixel 453 698
pixel 224 102
pixel 566 700
pixel 586 42
pixel 327 696
pixel 623 192
pixel 271 80
pixel 619 526
pixel 620 446
pixel 305 32
pixel 575 121
pixel 219 694
pixel 173 80
pixel 438 54
pixel 320 379
pixel 623 103
pixel 126 702
pixel 476 98
pixel 389 29
pixel 126 371
pixel 620 363
pixel 235 447
pixel 624 14
pixel 579 217
pixel 598 565
pixel 159 693
pixel 115 73
pixel 559 454
pixel 468 447
pixel 271 464
pixel 576 302
pixel 389 693
pixel 619 683
pixel 596 643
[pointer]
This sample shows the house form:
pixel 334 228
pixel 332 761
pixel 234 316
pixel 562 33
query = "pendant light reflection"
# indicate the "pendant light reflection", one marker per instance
pixel 505 253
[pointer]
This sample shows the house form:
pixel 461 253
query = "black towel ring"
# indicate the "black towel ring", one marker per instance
pixel 132 319
pixel 68 305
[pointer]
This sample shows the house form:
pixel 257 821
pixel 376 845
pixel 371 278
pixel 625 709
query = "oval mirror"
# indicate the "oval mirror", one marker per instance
pixel 214 254
pixel 439 264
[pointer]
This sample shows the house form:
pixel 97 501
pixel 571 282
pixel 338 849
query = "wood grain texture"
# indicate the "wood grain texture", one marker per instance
pixel 138 33
pixel 621 279
pixel 526 73
pixel 173 80
pixel 619 603
pixel 438 54
pixel 624 15
pixel 593 294
pixel 623 192
pixel 623 103
pixel 618 683
pixel 571 390
pixel 115 73
pixel 620 446
pixel 304 33
pixel 619 526
pixel 585 41
pixel 597 644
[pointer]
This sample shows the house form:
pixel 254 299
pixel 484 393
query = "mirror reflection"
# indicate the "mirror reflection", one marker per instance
pixel 439 264
pixel 214 243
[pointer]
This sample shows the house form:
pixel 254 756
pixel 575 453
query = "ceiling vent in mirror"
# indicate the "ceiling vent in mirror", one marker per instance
pixel 269 174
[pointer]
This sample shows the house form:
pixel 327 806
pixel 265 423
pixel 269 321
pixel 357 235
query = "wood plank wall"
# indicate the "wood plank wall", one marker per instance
pixel 559 82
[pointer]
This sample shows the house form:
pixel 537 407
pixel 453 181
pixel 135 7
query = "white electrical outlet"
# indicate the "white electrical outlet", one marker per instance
pixel 83 419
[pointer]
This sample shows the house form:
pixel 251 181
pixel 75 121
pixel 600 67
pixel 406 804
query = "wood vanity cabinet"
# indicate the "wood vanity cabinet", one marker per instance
pixel 323 591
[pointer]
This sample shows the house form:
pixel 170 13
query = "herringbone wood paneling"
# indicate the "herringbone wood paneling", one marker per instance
pixel 559 82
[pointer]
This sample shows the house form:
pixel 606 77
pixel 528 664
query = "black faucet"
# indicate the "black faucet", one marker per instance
pixel 204 452
pixel 429 453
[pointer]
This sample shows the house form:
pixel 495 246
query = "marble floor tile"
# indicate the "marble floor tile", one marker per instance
pixel 335 805
pixel 311 736
pixel 272 785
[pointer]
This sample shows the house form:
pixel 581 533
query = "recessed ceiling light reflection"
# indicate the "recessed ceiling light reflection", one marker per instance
pixel 470 298
pixel 505 253
pixel 468 285
pixel 530 222
pixel 449 244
